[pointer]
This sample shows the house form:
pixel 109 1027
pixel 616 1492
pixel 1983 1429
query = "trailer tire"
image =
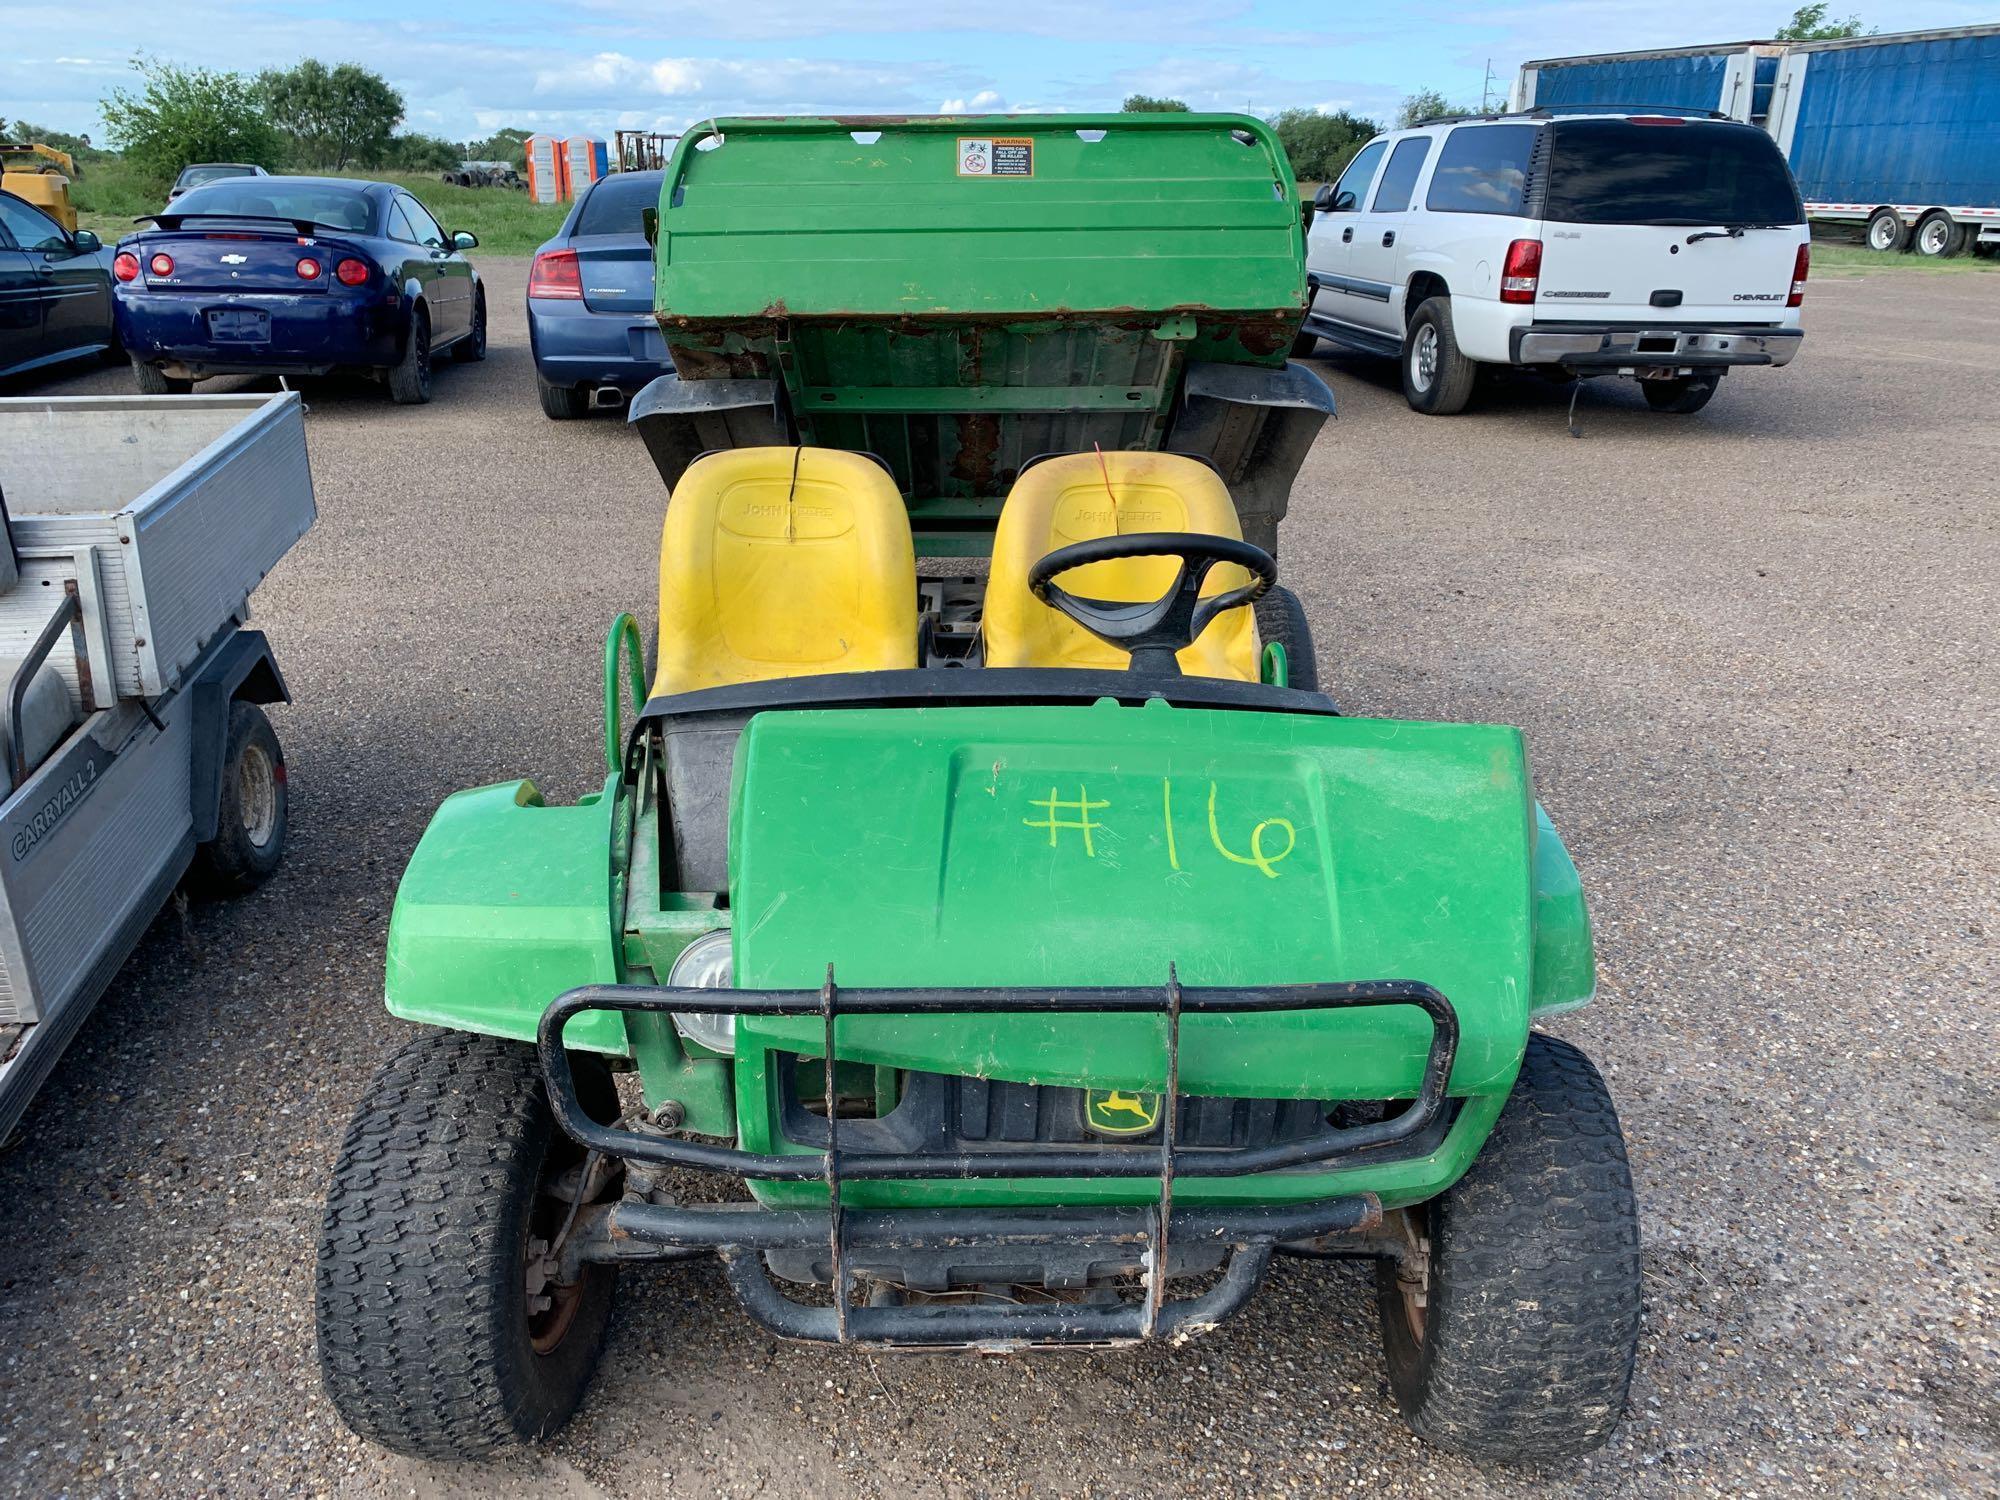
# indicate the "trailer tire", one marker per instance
pixel 1281 618
pixel 1683 396
pixel 153 381
pixel 426 1340
pixel 1437 376
pixel 251 815
pixel 1530 1323
pixel 1939 236
pixel 1886 232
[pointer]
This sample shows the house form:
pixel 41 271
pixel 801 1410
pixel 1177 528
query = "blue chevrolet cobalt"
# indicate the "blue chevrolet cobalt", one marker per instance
pixel 590 301
pixel 296 276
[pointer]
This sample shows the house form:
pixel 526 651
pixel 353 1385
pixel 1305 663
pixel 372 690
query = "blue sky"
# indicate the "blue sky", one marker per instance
pixel 466 69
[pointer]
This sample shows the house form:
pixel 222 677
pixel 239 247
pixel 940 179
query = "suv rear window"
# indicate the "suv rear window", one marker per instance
pixel 1687 172
pixel 1483 169
pixel 615 204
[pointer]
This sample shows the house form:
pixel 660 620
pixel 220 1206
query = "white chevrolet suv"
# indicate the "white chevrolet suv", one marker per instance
pixel 1668 248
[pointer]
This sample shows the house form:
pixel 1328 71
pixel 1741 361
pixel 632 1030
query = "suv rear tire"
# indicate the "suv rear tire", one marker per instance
pixel 1684 395
pixel 1437 377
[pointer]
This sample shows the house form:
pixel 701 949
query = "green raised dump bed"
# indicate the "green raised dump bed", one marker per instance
pixel 959 296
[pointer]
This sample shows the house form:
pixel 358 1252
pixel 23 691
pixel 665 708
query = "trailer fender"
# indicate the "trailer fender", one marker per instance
pixel 242 667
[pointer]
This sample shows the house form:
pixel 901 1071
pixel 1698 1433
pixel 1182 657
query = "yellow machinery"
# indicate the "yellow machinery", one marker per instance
pixel 40 175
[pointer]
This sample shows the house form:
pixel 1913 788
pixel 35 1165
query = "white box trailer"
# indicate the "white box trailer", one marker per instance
pixel 132 532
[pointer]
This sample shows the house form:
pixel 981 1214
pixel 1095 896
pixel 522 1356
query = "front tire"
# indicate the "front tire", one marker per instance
pixel 410 376
pixel 1437 377
pixel 1939 236
pixel 1887 233
pixel 253 814
pixel 431 1341
pixel 1683 396
pixel 1516 1342
pixel 153 381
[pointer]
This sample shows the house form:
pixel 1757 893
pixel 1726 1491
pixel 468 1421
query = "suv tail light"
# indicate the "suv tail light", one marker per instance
pixel 556 274
pixel 1521 272
pixel 1799 269
pixel 126 266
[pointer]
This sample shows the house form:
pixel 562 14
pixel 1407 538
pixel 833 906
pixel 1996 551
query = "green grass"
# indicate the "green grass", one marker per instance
pixel 1833 255
pixel 108 194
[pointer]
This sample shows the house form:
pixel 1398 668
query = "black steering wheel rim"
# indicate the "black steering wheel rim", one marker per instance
pixel 1155 632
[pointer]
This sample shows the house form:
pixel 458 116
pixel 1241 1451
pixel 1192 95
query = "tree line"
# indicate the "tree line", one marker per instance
pixel 1319 144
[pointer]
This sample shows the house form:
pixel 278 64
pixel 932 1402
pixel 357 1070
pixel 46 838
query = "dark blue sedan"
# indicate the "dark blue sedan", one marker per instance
pixel 296 276
pixel 590 301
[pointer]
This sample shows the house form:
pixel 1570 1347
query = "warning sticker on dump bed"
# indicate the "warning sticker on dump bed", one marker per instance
pixel 996 156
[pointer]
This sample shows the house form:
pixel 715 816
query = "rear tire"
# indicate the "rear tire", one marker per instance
pixel 1939 236
pixel 1437 377
pixel 153 381
pixel 1281 618
pixel 427 1341
pixel 560 403
pixel 1683 396
pixel 253 814
pixel 472 348
pixel 410 377
pixel 1886 232
pixel 1530 1313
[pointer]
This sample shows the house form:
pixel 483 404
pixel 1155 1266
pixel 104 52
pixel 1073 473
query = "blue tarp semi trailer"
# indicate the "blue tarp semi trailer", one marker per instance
pixel 1900 132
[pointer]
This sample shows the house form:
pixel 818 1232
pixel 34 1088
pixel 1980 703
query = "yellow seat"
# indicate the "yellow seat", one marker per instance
pixel 1083 496
pixel 784 562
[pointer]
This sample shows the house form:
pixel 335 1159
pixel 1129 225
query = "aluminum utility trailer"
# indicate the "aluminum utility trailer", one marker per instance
pixel 132 532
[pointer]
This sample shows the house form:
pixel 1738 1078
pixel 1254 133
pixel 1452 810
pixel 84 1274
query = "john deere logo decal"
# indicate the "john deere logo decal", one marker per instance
pixel 1115 1112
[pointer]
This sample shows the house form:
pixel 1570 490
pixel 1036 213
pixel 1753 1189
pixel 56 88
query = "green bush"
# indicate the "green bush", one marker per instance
pixel 183 115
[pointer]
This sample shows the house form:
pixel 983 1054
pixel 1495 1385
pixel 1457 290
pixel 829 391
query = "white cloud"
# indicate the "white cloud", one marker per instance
pixel 985 102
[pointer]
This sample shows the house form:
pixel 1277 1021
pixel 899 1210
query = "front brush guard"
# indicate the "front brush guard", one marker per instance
pixel 740 1235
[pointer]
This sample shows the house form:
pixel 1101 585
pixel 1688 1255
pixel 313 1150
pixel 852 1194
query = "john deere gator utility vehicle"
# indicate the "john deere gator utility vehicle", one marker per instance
pixel 1033 951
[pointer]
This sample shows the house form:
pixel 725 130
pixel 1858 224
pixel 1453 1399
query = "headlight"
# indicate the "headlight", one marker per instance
pixel 707 963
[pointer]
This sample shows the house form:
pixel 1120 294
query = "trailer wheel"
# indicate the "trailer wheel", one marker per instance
pixel 1511 1335
pixel 1939 235
pixel 251 815
pixel 440 1334
pixel 1887 232
pixel 1281 618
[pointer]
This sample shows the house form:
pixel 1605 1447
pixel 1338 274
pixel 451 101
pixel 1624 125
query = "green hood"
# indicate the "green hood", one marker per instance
pixel 1095 845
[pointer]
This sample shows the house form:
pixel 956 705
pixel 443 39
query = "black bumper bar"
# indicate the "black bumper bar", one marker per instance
pixel 634 1230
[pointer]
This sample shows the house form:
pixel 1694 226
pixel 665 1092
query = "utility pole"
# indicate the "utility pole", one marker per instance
pixel 1486 90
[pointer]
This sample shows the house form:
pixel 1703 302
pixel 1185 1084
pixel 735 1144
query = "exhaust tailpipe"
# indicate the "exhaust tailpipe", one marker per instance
pixel 607 398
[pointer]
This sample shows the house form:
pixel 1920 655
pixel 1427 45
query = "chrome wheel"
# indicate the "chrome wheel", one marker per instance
pixel 257 795
pixel 1883 233
pixel 1424 357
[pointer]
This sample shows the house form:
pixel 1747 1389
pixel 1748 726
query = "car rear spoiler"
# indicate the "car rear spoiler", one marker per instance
pixel 172 222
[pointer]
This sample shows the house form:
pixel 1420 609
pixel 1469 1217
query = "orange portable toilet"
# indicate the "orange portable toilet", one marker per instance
pixel 548 169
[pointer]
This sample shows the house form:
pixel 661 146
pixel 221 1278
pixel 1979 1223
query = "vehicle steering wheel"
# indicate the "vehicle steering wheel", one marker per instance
pixel 1155 632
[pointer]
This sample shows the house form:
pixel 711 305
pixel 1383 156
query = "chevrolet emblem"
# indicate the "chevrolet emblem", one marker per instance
pixel 1116 1112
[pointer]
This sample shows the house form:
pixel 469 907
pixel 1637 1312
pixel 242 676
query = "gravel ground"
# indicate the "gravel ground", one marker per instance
pixel 1754 653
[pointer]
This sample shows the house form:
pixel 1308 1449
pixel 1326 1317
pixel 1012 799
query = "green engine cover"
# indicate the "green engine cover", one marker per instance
pixel 1096 845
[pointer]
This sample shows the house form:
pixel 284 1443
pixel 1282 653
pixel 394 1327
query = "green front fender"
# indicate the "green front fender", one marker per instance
pixel 506 903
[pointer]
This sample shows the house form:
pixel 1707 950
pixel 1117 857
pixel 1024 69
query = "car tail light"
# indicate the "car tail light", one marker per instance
pixel 126 266
pixel 308 269
pixel 1800 267
pixel 351 272
pixel 1521 272
pixel 161 264
pixel 556 274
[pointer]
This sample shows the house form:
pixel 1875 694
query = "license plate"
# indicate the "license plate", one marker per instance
pixel 231 325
